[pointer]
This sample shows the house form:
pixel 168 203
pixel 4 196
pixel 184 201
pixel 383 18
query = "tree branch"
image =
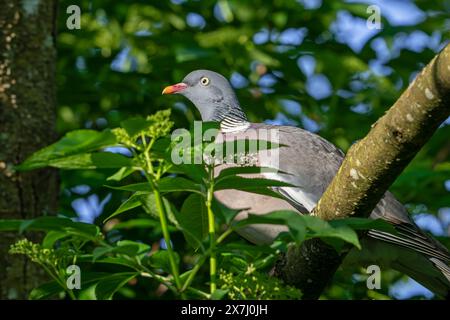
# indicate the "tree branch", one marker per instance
pixel 369 168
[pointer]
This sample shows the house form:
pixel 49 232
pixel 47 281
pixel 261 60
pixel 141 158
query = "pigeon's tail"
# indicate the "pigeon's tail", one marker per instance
pixel 433 273
pixel 445 269
pixel 427 261
pixel 436 279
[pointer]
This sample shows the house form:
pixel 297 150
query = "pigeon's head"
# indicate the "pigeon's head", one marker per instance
pixel 210 92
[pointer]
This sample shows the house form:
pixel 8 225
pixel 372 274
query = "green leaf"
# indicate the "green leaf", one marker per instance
pixel 193 220
pixel 235 262
pixel 45 291
pixel 132 248
pixel 303 227
pixel 276 217
pixel 166 184
pixel 244 184
pixel 75 142
pixel 121 174
pixel 51 237
pixel 161 149
pixel 121 261
pixel 100 251
pixel 136 223
pixel 106 287
pixel 172 184
pixel 241 147
pixel 134 126
pixel 160 260
pixel 364 224
pixel 194 171
pixel 52 288
pixel 98 160
pixel 254 185
pixel 132 202
pixel 224 213
pixel 141 187
pixel 219 294
pixel 233 171
pixel 87 293
pixel 61 224
pixel 250 249
pixel 125 247
pixel 149 205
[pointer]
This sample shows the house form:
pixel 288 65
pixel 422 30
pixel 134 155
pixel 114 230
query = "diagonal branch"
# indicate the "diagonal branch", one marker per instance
pixel 370 167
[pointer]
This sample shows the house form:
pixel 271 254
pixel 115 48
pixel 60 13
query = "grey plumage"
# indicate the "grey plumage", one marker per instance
pixel 310 162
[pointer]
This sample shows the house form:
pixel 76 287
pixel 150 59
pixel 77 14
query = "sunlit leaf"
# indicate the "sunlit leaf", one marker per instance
pixel 75 142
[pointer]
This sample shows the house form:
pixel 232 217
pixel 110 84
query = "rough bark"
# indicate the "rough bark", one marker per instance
pixel 370 167
pixel 27 123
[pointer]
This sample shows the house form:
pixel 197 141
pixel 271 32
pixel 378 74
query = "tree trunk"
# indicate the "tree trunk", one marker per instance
pixel 27 123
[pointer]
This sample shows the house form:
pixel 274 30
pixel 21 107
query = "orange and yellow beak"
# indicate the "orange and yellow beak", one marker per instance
pixel 175 88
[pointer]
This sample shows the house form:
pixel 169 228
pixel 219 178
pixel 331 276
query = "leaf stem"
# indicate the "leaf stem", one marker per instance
pixel 56 277
pixel 212 233
pixel 149 174
pixel 224 235
pixel 166 235
pixel 194 270
pixel 202 259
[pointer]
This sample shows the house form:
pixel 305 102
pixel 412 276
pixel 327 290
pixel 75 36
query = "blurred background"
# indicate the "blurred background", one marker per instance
pixel 307 63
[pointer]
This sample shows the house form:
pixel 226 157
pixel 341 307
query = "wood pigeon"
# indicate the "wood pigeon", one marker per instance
pixel 310 162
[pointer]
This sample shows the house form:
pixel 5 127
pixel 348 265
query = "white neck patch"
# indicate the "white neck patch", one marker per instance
pixel 227 126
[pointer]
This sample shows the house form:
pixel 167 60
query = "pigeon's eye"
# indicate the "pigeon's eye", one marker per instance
pixel 204 81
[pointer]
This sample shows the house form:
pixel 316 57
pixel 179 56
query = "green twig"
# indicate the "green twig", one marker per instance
pixel 166 235
pixel 56 277
pixel 212 233
pixel 149 174
pixel 194 270
pixel 202 259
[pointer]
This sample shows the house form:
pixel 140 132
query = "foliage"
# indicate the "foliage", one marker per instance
pixel 205 224
pixel 114 68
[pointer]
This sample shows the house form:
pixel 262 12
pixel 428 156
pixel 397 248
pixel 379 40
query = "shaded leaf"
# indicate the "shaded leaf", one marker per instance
pixel 135 125
pixel 121 174
pixel 149 205
pixel 45 291
pixel 106 287
pixel 224 213
pixel 193 220
pixel 51 237
pixel 136 223
pixel 98 160
pixel 166 184
pixel 132 202
pixel 51 224
pixel 160 260
pixel 303 227
pixel 232 171
pixel 245 184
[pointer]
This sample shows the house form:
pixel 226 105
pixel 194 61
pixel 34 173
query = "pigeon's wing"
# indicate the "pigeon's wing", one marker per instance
pixel 291 199
pixel 304 160
pixel 311 162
